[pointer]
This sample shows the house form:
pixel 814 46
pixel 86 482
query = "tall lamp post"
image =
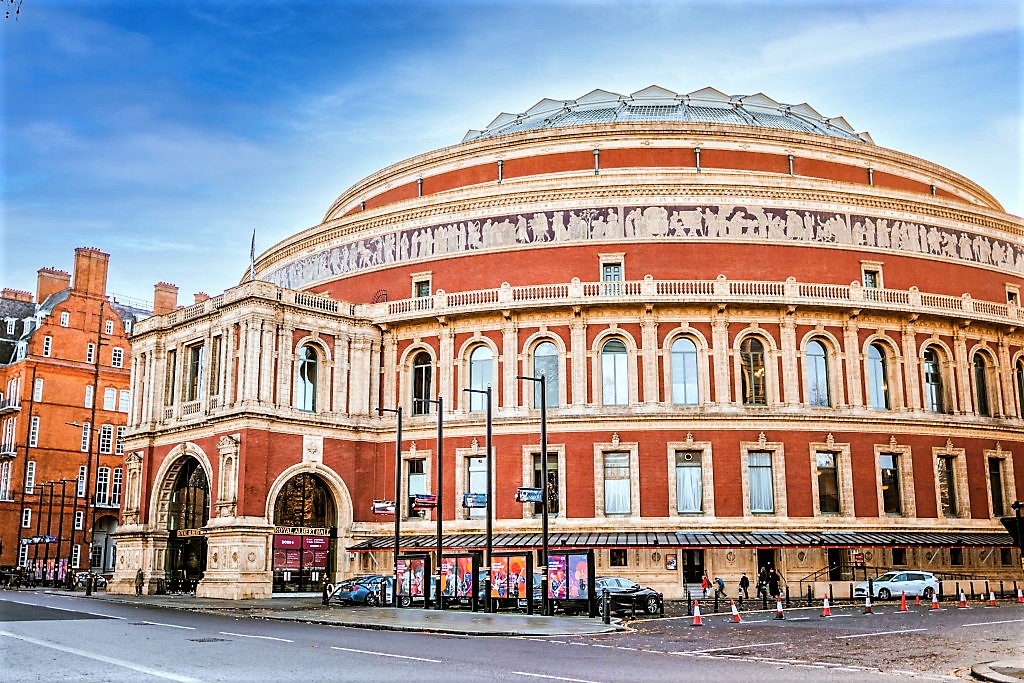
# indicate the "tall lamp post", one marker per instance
pixel 398 494
pixel 542 381
pixel 489 604
pixel 90 498
pixel 439 402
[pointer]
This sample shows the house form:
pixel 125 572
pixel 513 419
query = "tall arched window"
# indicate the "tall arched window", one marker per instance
pixel 306 378
pixel 1020 387
pixel 816 374
pixel 304 502
pixel 614 375
pixel 480 362
pixel 933 381
pixel 421 384
pixel 684 372
pixel 754 380
pixel 984 405
pixel 878 377
pixel 545 362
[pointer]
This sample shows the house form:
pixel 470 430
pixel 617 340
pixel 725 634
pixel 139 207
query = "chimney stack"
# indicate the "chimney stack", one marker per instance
pixel 50 281
pixel 201 296
pixel 16 295
pixel 165 298
pixel 91 271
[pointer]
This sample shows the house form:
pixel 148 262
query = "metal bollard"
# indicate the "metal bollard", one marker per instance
pixel 787 597
pixel 831 595
pixel 715 610
pixel 871 588
pixel 689 603
pixel 810 596
pixel 987 589
pixel 974 596
pixel 956 592
pixel 764 599
pixel 88 584
pixel 1001 596
pixel 606 614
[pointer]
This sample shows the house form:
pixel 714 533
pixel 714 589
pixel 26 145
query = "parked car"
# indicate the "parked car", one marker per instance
pixel 371 590
pixel 894 583
pixel 625 595
pixel 538 594
pixel 98 580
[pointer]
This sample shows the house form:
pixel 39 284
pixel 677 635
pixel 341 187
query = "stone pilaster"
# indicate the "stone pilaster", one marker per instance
pixel 720 358
pixel 238 559
pixel 649 357
pixel 578 356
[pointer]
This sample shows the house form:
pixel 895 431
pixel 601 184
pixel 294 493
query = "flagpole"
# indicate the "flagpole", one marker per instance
pixel 252 257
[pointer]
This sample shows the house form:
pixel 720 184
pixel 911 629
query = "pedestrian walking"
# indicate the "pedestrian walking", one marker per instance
pixel 773 583
pixel 139 580
pixel 745 586
pixel 720 587
pixel 705 583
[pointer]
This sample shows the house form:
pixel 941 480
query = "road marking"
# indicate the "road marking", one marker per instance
pixel 987 623
pixel 552 678
pixel 597 645
pixel 882 633
pixel 106 616
pixel 102 658
pixel 385 654
pixel 157 623
pixel 243 635
pixel 733 647
pixel 799 618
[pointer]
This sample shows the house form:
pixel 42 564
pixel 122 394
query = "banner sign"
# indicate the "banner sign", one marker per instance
pixel 188 533
pixel 287 552
pixel 32 540
pixel 383 507
pixel 474 500
pixel 302 530
pixel 314 551
pixel 424 501
pixel 529 495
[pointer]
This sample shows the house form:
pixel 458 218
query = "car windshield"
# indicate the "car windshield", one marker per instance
pixel 888 576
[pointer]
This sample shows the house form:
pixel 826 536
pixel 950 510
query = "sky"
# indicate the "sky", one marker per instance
pixel 165 132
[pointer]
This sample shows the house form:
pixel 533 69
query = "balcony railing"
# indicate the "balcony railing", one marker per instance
pixel 9 405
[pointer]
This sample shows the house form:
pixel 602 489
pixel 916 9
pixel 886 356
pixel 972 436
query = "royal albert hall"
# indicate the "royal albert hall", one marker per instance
pixel 765 340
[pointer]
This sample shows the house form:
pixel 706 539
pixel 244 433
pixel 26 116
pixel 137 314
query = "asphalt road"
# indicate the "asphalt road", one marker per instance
pixel 63 638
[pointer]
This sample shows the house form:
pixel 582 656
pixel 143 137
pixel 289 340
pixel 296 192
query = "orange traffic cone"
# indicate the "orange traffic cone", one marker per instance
pixel 917 600
pixel 992 600
pixel 1020 595
pixel 735 613
pixel 867 605
pixel 963 601
pixel 696 614
pixel 903 602
pixel 778 608
pixel 935 600
pixel 826 611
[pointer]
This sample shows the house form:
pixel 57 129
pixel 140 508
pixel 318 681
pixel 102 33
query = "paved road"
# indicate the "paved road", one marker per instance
pixel 64 638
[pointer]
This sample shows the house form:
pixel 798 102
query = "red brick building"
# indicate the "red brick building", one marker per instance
pixel 765 339
pixel 64 370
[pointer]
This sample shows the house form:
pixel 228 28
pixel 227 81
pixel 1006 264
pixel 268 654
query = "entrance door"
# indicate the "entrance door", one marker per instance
pixel 835 564
pixel 693 565
pixel 766 559
pixel 188 514
pixel 304 545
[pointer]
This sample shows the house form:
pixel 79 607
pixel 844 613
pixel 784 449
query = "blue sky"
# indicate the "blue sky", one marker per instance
pixel 165 132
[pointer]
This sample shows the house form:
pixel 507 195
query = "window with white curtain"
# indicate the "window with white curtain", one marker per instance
pixel 684 372
pixel 689 482
pixel 109 398
pixel 37 392
pixel 416 482
pixel 88 396
pixel 616 483
pixel 762 484
pixel 614 374
pixel 124 400
pixel 476 482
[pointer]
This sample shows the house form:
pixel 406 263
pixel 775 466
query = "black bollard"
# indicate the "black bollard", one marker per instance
pixel 787 597
pixel 852 596
pixel 974 596
pixel 764 599
pixel 689 603
pixel 88 584
pixel 956 595
pixel 987 590
pixel 871 588
pixel 831 595
pixel 326 598
pixel 1001 596
pixel 715 610
pixel 606 614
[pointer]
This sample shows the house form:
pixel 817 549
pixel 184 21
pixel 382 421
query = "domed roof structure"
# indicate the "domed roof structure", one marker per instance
pixel 655 103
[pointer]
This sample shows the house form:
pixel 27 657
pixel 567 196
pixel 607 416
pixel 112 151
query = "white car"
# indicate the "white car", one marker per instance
pixel 892 584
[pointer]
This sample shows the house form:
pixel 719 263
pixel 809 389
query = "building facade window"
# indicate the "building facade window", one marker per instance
pixel 90 353
pixel 127 326
pixel 752 367
pixel 614 373
pixel 684 372
pixel 108 327
pixel 86 434
pixel 422 379
pixel 115 487
pixel 47 346
pixel 33 432
pixel 689 482
pixel 889 472
pixel 1019 374
pixel 26 518
pixel 37 390
pixel 194 378
pixel 80 483
pixel 79 520
pixel 102 486
pixel 30 477
pixel 933 389
pixel 827 473
pixel 878 378
pixel 88 396
pixel 612 274
pixel 119 441
pixel 618 557
pixel 170 385
pixel 215 360
pixel 549 484
pixel 306 378
pixel 995 486
pixel 416 482
pixel 481 362
pixel 117 358
pixel 65 318
pixel 10 326
pixel 476 482
pixel 109 398
pixel 545 362
pixel 76 556
pixel 762 482
pixel 107 439
pixel 124 400
pixel 816 374
pixel 5 480
pixel 617 483
pixel 983 404
pixel 946 479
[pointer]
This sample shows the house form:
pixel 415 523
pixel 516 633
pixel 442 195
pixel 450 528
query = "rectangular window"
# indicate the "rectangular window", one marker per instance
pixel 86 435
pixel 956 557
pixel 871 279
pixel 214 367
pixel 108 327
pixel 47 346
pixel 65 318
pixel 30 476
pixel 90 353
pixel 551 485
pixel 37 392
pixel 80 489
pixel 76 556
pixel 617 499
pixel 115 488
pixel 617 557
pixel 33 433
pixel 124 400
pixel 416 482
pixel 109 398
pixel 947 486
pixel 127 326
pixel 1005 556
pixel 10 326
pixel 762 483
pixel 611 273
pixel 995 486
pixel 26 518
pixel 5 480
pixel 107 439
pixel 899 557
pixel 79 520
pixel 194 388
pixel 23 556
pixel 172 371
pixel 119 441
pixel 689 481
pixel 890 473
pixel 477 483
pixel 828 482
pixel 88 396
pixel 117 358
pixel 102 485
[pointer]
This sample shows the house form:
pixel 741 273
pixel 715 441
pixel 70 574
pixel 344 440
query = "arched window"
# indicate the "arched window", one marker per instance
pixel 1020 387
pixel 421 383
pixel 984 405
pixel 614 375
pixel 545 362
pixel 306 378
pixel 754 381
pixel 878 377
pixel 480 374
pixel 304 502
pixel 933 381
pixel 189 508
pixel 816 374
pixel 684 372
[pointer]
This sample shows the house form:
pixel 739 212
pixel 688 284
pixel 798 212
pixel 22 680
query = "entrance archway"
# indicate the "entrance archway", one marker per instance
pixel 187 514
pixel 102 553
pixel 305 530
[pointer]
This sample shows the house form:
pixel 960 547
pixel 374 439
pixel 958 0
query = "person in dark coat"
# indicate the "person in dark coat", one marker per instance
pixel 745 586
pixel 773 584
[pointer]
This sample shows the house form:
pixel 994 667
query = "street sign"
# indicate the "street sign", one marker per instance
pixel 529 495
pixel 383 507
pixel 424 501
pixel 474 500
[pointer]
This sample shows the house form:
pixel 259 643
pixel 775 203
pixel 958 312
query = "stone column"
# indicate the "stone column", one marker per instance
pixel 912 367
pixel 359 386
pixel 790 368
pixel 268 352
pixel 720 359
pixel 649 356
pixel 390 374
pixel 339 390
pixel 446 366
pixel 509 354
pixel 285 364
pixel 851 340
pixel 578 356
pixel 238 555
pixel 1004 368
pixel 963 371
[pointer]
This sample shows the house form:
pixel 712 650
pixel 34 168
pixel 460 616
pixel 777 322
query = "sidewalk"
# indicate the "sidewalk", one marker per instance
pixel 1005 671
pixel 309 609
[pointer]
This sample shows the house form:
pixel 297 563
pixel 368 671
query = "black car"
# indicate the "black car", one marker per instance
pixel 625 595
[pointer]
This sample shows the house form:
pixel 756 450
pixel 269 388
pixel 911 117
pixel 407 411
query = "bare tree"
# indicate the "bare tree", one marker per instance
pixel 13 9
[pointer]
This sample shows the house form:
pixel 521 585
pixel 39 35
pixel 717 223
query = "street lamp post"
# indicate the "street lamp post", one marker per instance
pixel 439 402
pixel 60 529
pixel 489 604
pixel 88 475
pixel 398 494
pixel 542 380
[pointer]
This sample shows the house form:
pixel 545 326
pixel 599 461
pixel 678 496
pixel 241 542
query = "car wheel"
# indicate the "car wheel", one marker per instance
pixel 927 593
pixel 884 594
pixel 372 600
pixel 652 605
pixel 405 601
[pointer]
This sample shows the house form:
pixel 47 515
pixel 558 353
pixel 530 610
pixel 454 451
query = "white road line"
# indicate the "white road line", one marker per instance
pixel 597 645
pixel 733 647
pixel 881 633
pixel 386 654
pixel 157 623
pixel 102 658
pixel 552 678
pixel 106 616
pixel 244 635
pixel 627 648
pixel 799 618
pixel 988 623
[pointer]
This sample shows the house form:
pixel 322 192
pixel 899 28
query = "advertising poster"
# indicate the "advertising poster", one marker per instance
pixel 577 577
pixel 314 551
pixel 287 551
pixel 464 569
pixel 517 576
pixel 403 577
pixel 448 579
pixel 556 577
pixel 499 577
pixel 417 576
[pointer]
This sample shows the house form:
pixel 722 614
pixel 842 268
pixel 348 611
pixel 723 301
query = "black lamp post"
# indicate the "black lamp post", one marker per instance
pixel 398 494
pixel 489 604
pixel 439 487
pixel 542 380
pixel 90 498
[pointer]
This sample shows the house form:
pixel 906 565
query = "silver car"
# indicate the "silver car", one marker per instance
pixel 894 583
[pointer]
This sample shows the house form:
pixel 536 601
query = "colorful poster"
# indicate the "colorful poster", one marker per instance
pixel 448 580
pixel 464 568
pixel 577 577
pixel 403 577
pixel 556 577
pixel 417 575
pixel 499 577
pixel 287 551
pixel 517 576
pixel 314 551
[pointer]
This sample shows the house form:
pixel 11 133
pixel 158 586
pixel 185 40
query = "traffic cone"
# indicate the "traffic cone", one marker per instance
pixel 963 601
pixel 735 613
pixel 826 611
pixel 696 614
pixel 935 600
pixel 903 602
pixel 867 605
pixel 992 599
pixel 778 608
pixel 917 600
pixel 1020 595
